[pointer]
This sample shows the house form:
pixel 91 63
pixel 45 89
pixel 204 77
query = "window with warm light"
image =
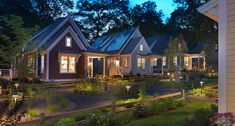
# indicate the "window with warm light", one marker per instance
pixel 141 63
pixel 154 62
pixel 164 61
pixel 175 60
pixel 68 42
pixel 186 61
pixel 125 63
pixel 141 47
pixel 42 63
pixel 67 64
pixel 117 63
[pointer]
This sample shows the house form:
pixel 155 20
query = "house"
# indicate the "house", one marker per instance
pixel 55 52
pixel 191 60
pixel 223 11
pixel 126 52
pixel 60 52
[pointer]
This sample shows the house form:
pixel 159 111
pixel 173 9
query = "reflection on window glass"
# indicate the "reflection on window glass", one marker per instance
pixel 154 62
pixel 125 64
pixel 67 64
pixel 141 63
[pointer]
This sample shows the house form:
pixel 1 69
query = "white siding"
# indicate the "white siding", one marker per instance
pixel 231 56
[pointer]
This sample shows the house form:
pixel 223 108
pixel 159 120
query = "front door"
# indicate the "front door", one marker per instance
pixel 98 66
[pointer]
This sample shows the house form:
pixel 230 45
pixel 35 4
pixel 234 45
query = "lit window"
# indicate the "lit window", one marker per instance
pixel 175 60
pixel 141 63
pixel 42 63
pixel 125 64
pixel 164 61
pixel 186 61
pixel 67 64
pixel 117 63
pixel 141 47
pixel 68 42
pixel 154 62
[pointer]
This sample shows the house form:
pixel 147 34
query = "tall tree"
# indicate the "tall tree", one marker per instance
pixel 36 12
pixel 147 18
pixel 13 36
pixel 97 17
pixel 195 27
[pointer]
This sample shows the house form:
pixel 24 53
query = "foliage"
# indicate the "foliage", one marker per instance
pixel 120 119
pixel 13 37
pixel 52 108
pixel 141 111
pixel 98 119
pixel 201 117
pixel 65 121
pixel 80 117
pixel 197 91
pixel 33 113
pixel 223 119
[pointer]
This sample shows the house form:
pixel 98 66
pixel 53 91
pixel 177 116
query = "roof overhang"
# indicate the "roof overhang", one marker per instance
pixel 210 9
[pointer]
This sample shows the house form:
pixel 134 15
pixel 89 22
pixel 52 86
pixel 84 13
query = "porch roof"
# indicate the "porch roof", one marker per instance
pixel 210 9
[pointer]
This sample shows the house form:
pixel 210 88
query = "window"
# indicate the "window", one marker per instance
pixel 67 64
pixel 154 62
pixel 68 42
pixel 175 60
pixel 141 62
pixel 164 61
pixel 42 63
pixel 125 64
pixel 186 61
pixel 31 64
pixel 141 47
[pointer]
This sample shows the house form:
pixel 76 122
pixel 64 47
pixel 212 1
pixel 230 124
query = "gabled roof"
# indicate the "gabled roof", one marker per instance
pixel 158 44
pixel 210 9
pixel 43 38
pixel 113 44
pixel 131 45
pixel 199 48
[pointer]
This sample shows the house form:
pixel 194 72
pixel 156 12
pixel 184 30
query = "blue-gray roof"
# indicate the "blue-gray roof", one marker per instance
pixel 199 48
pixel 39 41
pixel 131 45
pixel 112 44
pixel 158 44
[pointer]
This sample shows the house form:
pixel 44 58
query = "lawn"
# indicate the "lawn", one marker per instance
pixel 173 118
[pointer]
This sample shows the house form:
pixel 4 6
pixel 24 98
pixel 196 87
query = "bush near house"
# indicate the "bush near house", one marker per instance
pixel 98 119
pixel 120 119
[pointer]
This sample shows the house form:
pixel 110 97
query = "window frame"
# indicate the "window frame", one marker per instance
pixel 42 63
pixel 141 47
pixel 141 62
pixel 66 42
pixel 67 64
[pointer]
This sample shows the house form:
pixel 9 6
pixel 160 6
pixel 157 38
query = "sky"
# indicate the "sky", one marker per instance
pixel 167 6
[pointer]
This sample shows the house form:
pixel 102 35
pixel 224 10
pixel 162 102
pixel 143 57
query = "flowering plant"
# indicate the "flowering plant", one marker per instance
pixel 223 119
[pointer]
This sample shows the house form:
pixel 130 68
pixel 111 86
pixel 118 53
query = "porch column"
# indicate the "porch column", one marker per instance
pixel 104 72
pixel 204 63
pixel 198 60
pixel 162 67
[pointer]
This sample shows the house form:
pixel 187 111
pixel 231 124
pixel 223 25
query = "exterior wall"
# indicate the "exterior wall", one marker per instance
pixel 42 75
pixel 54 65
pixel 230 56
pixel 134 56
pixel 126 70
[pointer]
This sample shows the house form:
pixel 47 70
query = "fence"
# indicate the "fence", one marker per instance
pixel 113 106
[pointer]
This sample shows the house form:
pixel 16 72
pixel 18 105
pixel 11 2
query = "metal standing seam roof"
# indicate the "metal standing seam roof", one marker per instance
pixel 112 44
pixel 160 43
pixel 41 35
pixel 131 45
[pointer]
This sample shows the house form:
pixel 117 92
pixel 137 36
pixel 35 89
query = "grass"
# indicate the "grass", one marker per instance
pixel 173 118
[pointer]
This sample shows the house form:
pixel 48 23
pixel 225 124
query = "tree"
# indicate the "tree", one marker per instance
pixel 176 48
pixel 36 12
pixel 97 17
pixel 195 26
pixel 147 18
pixel 13 37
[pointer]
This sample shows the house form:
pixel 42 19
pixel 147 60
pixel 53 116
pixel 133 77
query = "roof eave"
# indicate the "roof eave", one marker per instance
pixel 210 9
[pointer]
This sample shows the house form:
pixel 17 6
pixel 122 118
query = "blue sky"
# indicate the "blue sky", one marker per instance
pixel 167 6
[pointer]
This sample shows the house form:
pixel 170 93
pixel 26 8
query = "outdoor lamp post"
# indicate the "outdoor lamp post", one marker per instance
pixel 201 82
pixel 128 88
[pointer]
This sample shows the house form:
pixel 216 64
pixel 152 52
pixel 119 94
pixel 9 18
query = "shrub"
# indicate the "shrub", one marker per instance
pixel 196 91
pixel 180 102
pixel 201 116
pixel 52 108
pixel 211 94
pixel 80 117
pixel 33 113
pixel 120 119
pixel 141 110
pixel 98 119
pixel 65 121
pixel 223 119
pixel 63 103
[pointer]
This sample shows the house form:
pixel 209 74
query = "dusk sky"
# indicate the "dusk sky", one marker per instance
pixel 167 6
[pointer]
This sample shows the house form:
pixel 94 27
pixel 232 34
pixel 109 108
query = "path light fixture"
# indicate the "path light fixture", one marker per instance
pixel 17 85
pixel 128 88
pixel 201 82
